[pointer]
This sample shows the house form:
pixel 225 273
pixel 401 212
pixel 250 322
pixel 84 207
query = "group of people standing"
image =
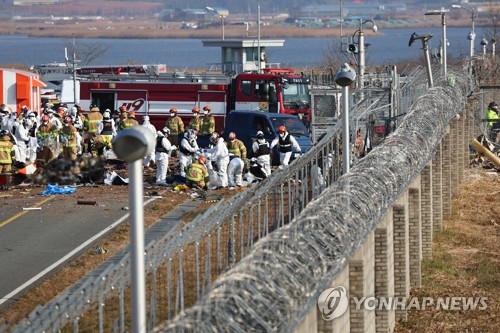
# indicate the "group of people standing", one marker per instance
pixel 69 132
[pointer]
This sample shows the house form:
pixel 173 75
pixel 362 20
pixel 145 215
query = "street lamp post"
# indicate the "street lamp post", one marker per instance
pixel 361 50
pixel 427 56
pixel 444 41
pixel 472 34
pixel 132 145
pixel 484 43
pixel 344 77
pixel 210 9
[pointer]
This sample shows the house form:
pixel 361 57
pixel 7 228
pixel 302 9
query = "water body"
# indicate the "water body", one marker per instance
pixel 387 47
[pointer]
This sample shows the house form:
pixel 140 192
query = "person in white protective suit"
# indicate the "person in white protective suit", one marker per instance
pixel 162 153
pixel 220 155
pixel 22 139
pixel 237 158
pixel 151 156
pixel 261 152
pixel 187 149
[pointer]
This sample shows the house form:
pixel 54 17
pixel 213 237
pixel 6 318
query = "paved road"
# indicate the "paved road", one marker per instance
pixel 35 242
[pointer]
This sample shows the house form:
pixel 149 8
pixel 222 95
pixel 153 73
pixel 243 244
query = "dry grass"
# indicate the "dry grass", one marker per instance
pixel 465 263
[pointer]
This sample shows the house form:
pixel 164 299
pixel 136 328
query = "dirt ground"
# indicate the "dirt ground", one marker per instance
pixel 466 261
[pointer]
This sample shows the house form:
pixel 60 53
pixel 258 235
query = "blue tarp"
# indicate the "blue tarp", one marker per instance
pixel 54 189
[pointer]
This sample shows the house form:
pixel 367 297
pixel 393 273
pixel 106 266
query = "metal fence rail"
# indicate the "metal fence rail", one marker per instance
pixel 183 264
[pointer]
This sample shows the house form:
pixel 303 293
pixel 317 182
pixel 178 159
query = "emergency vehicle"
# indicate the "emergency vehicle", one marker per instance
pixel 153 92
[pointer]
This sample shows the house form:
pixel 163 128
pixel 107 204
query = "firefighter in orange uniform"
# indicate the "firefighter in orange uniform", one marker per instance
pixel 197 174
pixel 195 121
pixel 208 122
pixel 176 127
pixel 90 126
pixel 68 137
pixel 7 152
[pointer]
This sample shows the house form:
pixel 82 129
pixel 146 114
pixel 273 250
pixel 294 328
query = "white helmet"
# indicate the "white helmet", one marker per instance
pixel 166 130
pixel 106 114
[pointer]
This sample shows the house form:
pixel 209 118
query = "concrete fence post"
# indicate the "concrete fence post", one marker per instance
pixel 426 210
pixel 461 149
pixel 401 252
pixel 385 319
pixel 415 232
pixel 454 150
pixel 437 203
pixel 362 284
pixel 446 157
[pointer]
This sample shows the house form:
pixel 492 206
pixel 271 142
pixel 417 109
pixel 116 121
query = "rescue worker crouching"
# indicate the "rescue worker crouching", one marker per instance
pixel 162 153
pixel 187 149
pixel 197 174
pixel 286 144
pixel 238 159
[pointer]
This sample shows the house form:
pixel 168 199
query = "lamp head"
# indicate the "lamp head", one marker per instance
pixel 484 42
pixel 374 28
pixel 345 76
pixel 133 143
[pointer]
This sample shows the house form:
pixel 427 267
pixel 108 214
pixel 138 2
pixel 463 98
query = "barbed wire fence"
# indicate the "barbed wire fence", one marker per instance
pixel 277 284
pixel 183 264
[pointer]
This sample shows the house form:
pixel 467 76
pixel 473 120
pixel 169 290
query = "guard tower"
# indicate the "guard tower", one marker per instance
pixel 242 55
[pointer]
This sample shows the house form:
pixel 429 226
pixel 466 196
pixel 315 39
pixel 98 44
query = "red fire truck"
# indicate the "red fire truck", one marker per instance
pixel 153 92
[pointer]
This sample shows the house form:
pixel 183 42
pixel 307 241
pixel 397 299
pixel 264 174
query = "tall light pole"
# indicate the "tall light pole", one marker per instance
pixel 344 77
pixel 258 37
pixel 427 56
pixel 484 43
pixel 472 34
pixel 444 41
pixel 131 145
pixel 216 12
pixel 361 50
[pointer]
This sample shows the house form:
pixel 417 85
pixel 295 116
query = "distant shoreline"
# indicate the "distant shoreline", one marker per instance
pixel 159 30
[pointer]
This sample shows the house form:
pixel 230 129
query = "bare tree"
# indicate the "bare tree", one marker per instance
pixel 85 53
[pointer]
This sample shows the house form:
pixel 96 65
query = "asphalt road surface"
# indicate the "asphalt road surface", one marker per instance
pixel 40 233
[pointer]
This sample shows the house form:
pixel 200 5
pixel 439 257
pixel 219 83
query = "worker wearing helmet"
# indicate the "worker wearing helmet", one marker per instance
pixel 187 149
pixel 176 127
pixel 68 138
pixel 106 131
pixel 7 152
pixel 90 126
pixel 493 118
pixel 195 121
pixel 197 174
pixel 286 144
pixel 151 156
pixel 220 155
pixel 47 139
pixel 163 150
pixel 21 133
pixel 261 152
pixel 130 121
pixel 237 159
pixel 208 121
